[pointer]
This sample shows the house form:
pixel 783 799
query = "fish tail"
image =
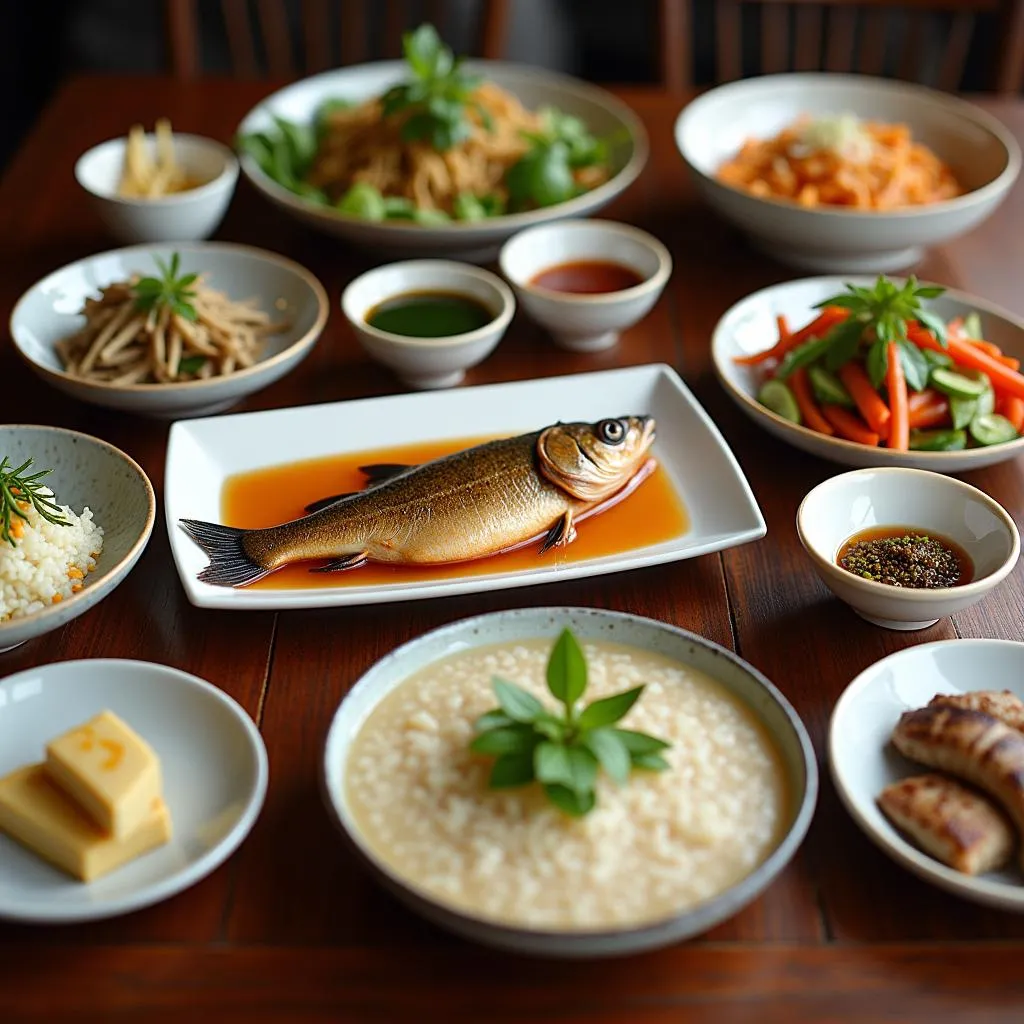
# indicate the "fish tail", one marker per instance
pixel 229 566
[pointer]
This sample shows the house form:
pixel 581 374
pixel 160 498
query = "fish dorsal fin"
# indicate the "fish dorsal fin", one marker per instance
pixel 378 472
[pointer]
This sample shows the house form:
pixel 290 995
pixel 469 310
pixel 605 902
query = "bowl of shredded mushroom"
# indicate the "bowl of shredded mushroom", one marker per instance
pixel 169 331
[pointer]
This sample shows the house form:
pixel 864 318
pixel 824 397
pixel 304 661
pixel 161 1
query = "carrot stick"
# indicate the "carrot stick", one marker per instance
pixel 1012 408
pixel 963 352
pixel 866 398
pixel 805 401
pixel 827 319
pixel 849 425
pixel 896 386
pixel 783 324
pixel 1013 364
pixel 927 414
pixel 919 399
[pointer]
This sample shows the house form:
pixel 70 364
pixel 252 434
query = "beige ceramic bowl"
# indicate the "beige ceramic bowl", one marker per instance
pixel 590 322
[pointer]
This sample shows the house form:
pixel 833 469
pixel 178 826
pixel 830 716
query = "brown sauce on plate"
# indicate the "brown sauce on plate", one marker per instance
pixel 587 277
pixel 652 514
pixel 904 556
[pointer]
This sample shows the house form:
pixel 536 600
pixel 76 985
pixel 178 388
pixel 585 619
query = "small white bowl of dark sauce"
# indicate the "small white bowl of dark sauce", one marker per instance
pixel 586 281
pixel 429 320
pixel 930 545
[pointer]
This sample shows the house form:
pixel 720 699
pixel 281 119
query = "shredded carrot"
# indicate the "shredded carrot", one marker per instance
pixel 866 398
pixel 927 414
pixel 896 385
pixel 849 425
pixel 825 321
pixel 57 598
pixel 74 573
pixel 1003 378
pixel 76 587
pixel 1012 408
pixel 805 402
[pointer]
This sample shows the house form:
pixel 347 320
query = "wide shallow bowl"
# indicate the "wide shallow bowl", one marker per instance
pixel 426 363
pixel 49 311
pixel 929 502
pixel 86 472
pixel 479 241
pixel 181 217
pixel 586 322
pixel 769 706
pixel 214 769
pixel 749 327
pixel 982 154
pixel 864 762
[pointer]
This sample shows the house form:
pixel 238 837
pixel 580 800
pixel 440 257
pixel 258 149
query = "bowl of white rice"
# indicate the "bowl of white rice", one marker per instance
pixel 661 856
pixel 52 572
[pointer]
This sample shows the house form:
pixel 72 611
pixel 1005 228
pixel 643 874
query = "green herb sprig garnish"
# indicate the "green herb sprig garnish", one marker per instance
pixel 563 752
pixel 168 290
pixel 877 316
pixel 17 486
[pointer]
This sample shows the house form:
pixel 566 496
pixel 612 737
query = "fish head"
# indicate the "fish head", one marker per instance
pixel 591 461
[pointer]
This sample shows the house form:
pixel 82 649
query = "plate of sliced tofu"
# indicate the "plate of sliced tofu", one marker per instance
pixel 121 784
pixel 927 753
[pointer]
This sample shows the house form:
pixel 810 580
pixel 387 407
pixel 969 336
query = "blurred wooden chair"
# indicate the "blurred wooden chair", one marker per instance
pixel 833 35
pixel 260 34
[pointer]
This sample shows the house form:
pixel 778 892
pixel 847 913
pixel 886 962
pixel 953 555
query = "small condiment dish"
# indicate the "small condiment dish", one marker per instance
pixel 586 322
pixel 86 472
pixel 183 216
pixel 920 501
pixel 426 363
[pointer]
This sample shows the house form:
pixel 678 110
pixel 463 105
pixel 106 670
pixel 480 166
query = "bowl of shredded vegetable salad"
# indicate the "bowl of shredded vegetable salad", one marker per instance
pixel 877 371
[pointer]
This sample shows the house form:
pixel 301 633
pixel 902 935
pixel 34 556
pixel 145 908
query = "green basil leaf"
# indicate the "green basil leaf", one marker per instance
pixel 512 739
pixel 650 762
pixel 191 364
pixel 638 743
pixel 845 343
pixel 516 702
pixel 574 804
pixel 611 752
pixel 933 358
pixel 930 291
pixel 933 323
pixel 916 368
pixel 551 727
pixel 511 770
pixel 609 710
pixel 567 670
pixel 573 767
pixel 492 720
pixel 803 355
pixel 878 363
pixel 851 302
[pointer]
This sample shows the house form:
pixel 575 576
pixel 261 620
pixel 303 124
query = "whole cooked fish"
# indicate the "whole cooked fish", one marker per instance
pixel 478 502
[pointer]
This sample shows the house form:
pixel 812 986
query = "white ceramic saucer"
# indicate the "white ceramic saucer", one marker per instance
pixel 214 768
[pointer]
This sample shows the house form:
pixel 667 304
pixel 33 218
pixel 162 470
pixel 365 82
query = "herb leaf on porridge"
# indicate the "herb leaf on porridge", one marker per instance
pixel 563 752
pixel 19 492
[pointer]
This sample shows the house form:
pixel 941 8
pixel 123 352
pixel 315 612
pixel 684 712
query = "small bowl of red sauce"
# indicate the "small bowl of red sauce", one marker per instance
pixel 586 281
pixel 905 547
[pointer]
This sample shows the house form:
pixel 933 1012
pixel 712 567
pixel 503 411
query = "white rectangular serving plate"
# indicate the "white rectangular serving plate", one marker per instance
pixel 203 453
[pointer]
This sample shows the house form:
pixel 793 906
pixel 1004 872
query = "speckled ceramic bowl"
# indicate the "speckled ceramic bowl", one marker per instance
pixel 86 471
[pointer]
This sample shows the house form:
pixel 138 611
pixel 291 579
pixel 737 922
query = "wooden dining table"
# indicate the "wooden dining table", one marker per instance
pixel 292 927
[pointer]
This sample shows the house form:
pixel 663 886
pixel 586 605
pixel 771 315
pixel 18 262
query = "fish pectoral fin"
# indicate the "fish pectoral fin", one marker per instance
pixel 353 561
pixel 561 534
pixel 322 503
pixel 378 472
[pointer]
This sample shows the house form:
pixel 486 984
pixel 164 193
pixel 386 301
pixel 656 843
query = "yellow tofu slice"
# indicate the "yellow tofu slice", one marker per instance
pixel 39 815
pixel 109 771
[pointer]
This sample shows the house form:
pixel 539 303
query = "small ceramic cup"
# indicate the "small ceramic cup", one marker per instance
pixel 180 217
pixel 585 322
pixel 425 363
pixel 844 505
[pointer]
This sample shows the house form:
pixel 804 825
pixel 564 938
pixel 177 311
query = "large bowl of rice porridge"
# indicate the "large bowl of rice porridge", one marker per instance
pixel 663 857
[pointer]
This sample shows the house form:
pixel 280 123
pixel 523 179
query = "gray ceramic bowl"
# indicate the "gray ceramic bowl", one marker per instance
pixel 760 696
pixel 86 471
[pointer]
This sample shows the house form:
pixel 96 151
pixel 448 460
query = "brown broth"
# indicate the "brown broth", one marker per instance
pixel 266 497
pixel 587 277
pixel 964 562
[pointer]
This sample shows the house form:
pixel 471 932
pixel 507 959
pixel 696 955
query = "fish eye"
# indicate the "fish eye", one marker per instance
pixel 611 431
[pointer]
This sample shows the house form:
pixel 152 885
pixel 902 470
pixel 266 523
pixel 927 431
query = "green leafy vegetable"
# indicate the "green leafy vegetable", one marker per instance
pixel 363 200
pixel 191 364
pixel 916 368
pixel 543 177
pixel 18 488
pixel 563 752
pixel 168 290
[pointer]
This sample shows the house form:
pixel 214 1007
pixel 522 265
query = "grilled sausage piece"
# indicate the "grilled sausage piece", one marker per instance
pixel 1005 706
pixel 950 822
pixel 971 745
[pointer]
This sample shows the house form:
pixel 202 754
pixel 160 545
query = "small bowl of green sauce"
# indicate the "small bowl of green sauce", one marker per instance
pixel 429 320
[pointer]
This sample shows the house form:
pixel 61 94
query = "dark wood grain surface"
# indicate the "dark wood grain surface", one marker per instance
pixel 291 928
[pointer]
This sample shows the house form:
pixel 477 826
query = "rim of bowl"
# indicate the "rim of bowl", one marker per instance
pixel 499 320
pixel 981 118
pixel 300 343
pixel 617 183
pixel 747 887
pixel 136 549
pixel 933 595
pixel 229 171
pixel 719 358
pixel 607 228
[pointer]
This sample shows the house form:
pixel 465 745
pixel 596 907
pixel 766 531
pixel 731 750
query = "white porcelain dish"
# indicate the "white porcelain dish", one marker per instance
pixel 535 87
pixel 753 689
pixel 426 363
pixel 203 453
pixel 48 312
pixel 181 217
pixel 863 761
pixel 982 154
pixel 851 502
pixel 749 327
pixel 214 773
pixel 86 472
pixel 586 322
